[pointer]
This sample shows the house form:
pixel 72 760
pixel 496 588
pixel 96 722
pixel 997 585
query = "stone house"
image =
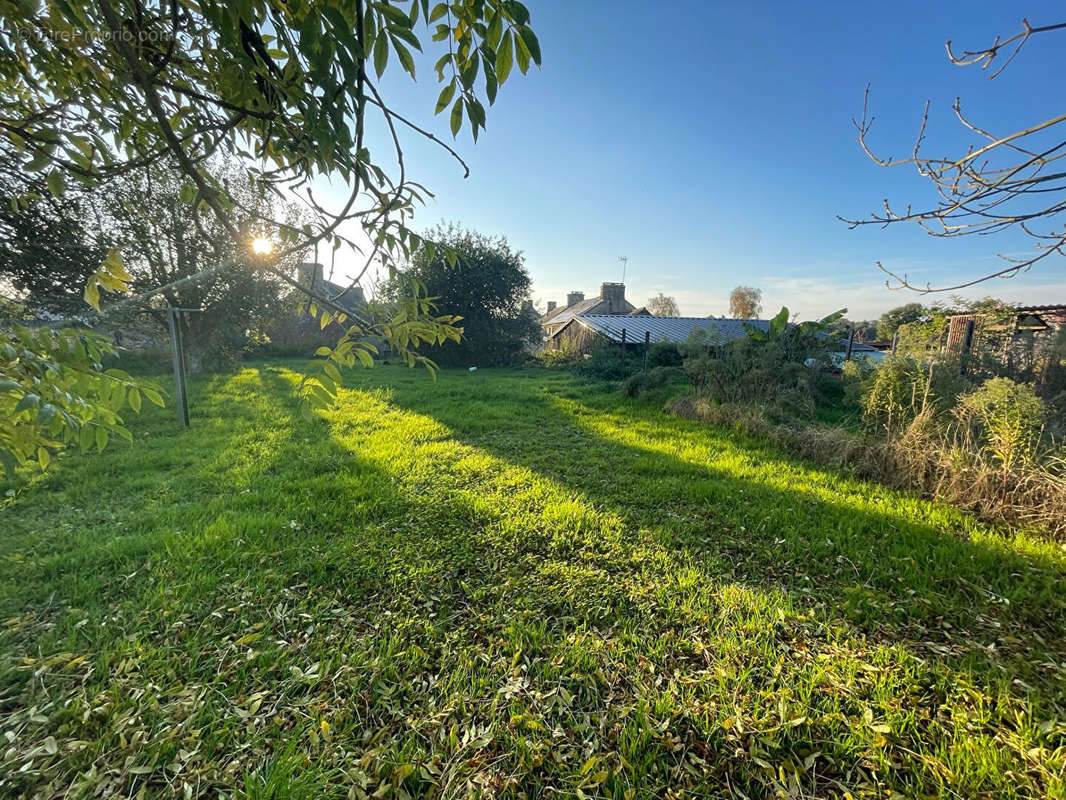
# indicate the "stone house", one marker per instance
pixel 610 302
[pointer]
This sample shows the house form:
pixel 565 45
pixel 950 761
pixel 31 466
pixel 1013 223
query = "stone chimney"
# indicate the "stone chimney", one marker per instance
pixel 551 306
pixel 615 295
pixel 574 297
pixel 310 274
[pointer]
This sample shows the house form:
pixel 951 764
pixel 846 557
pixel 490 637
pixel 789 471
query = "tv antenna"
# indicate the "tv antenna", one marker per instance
pixel 625 263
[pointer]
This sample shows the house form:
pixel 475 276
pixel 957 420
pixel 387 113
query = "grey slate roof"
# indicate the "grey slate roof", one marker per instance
pixel 677 329
pixel 567 313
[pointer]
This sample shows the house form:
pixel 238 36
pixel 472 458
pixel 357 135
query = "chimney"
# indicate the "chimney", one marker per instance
pixel 551 306
pixel 310 274
pixel 615 295
pixel 574 297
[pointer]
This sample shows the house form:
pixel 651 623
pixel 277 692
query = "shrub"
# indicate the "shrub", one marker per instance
pixel 558 357
pixel 653 379
pixel 1010 417
pixel 608 363
pixel 903 388
pixel 756 372
pixel 664 354
pixel 855 378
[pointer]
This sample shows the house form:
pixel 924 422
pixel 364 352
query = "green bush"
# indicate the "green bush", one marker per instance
pixel 904 388
pixel 655 378
pixel 755 372
pixel 664 354
pixel 855 378
pixel 1010 417
pixel 558 357
pixel 610 364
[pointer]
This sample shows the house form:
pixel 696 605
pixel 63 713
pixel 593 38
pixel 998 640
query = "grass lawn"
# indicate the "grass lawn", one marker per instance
pixel 509 584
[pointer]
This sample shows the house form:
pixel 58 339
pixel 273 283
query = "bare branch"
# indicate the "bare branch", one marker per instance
pixel 993 187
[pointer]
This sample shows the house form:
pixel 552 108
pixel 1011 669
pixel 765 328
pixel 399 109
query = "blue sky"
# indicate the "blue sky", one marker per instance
pixel 711 143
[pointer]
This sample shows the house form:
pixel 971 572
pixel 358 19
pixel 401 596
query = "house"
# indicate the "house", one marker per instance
pixel 611 302
pixel 295 331
pixel 583 331
pixel 312 275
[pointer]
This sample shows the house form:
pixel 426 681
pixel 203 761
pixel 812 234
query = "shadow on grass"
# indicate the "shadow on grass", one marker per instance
pixel 896 567
pixel 508 560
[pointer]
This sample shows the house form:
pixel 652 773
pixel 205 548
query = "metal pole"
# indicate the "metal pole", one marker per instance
pixel 178 353
pixel 647 344
pixel 851 343
pixel 623 348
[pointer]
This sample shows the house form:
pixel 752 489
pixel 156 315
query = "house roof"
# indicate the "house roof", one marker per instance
pixel 664 329
pixel 1051 308
pixel 349 297
pixel 584 307
pixel 676 329
pixel 1039 309
pixel 312 275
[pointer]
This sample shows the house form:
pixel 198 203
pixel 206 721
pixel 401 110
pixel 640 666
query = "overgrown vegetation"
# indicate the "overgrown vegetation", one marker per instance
pixel 509 583
pixel 982 443
pixel 956 430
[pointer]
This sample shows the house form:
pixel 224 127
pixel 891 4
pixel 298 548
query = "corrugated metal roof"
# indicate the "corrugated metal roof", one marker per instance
pixel 666 329
pixel 1053 308
pixel 678 329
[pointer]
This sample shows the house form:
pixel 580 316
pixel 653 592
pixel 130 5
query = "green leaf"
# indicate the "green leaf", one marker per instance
pixel 521 52
pixel 406 61
pixel 56 185
pixel 332 371
pixel 529 39
pixel 504 58
pixel 135 399
pixel 381 54
pixel 394 15
pixel 519 12
pixel 8 461
pixel 445 97
pixel 46 414
pixel 495 31
pixel 39 161
pixel 476 112
pixel 438 11
pixel 153 395
pixel 27 401
pixel 457 116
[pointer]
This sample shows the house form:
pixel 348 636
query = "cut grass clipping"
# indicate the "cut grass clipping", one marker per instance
pixel 509 584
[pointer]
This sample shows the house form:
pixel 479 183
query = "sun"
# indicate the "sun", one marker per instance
pixel 262 246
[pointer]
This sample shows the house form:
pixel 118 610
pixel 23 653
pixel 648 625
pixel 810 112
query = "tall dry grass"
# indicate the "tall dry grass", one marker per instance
pixel 943 462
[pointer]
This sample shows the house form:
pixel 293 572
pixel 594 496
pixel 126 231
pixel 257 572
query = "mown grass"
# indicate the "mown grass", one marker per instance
pixel 509 584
